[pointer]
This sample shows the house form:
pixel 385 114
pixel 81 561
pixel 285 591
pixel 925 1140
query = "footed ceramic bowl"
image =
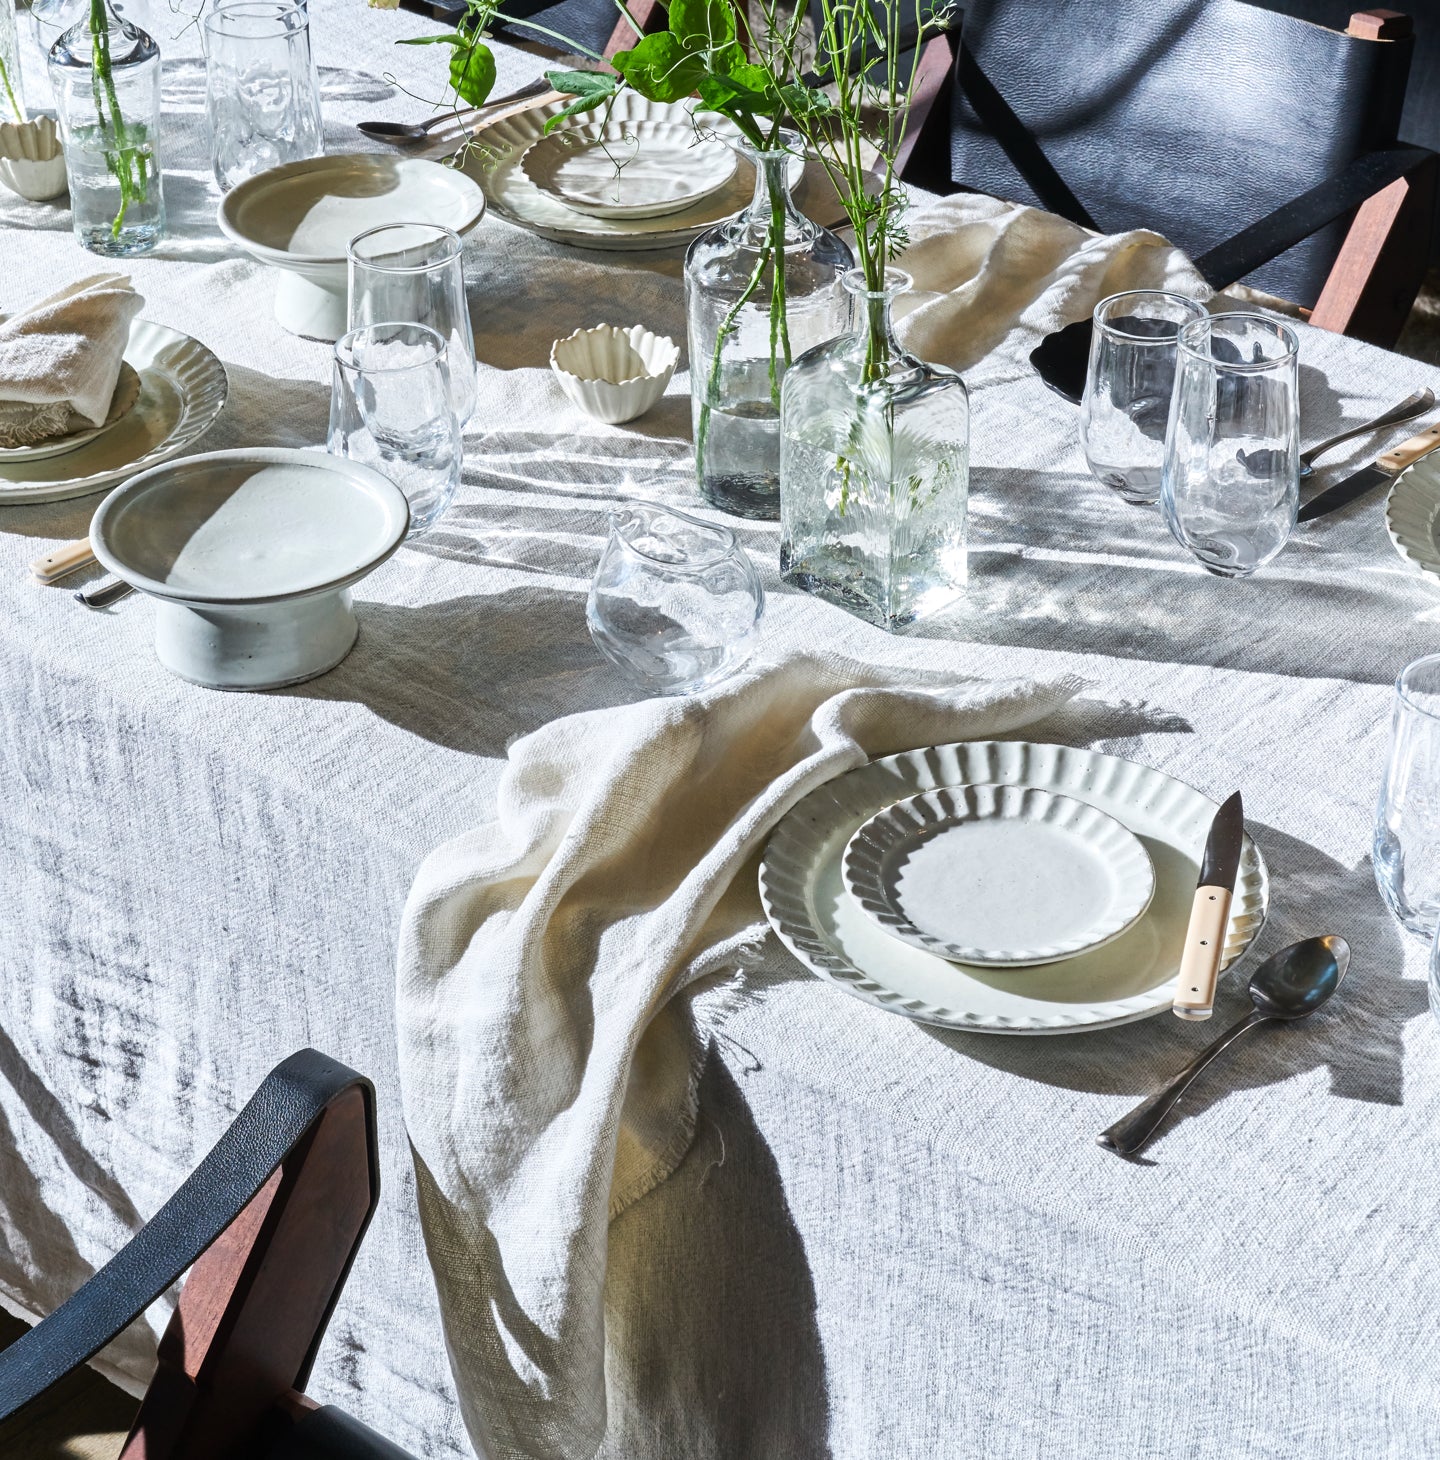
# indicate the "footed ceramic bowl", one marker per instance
pixel 301 216
pixel 250 556
pixel 32 161
pixel 614 374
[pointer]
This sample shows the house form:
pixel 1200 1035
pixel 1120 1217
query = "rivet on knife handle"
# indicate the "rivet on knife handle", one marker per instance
pixel 68 558
pixel 1204 946
pixel 1409 451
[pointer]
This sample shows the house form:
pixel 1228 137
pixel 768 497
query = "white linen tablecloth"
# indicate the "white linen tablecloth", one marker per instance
pixel 885 1240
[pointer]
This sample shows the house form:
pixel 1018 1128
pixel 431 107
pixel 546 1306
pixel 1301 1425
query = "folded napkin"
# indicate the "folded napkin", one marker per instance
pixel 60 359
pixel 987 272
pixel 547 1067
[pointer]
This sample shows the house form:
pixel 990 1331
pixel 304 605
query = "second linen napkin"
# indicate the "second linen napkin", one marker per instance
pixel 547 1069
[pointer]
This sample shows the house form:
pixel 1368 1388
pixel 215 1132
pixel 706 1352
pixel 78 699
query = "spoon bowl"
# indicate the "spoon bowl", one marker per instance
pixel 1295 981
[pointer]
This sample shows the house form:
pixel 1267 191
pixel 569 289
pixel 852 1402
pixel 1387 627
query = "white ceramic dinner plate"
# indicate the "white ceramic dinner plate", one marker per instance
pixel 496 152
pixel 644 169
pixel 127 392
pixel 1005 876
pixel 182 390
pixel 1132 977
pixel 1411 511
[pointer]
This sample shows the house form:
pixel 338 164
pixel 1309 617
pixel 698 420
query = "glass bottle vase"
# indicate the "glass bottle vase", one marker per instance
pixel 874 470
pixel 105 72
pixel 747 320
pixel 12 93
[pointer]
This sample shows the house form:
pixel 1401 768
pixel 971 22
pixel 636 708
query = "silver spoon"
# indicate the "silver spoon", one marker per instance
pixel 1289 985
pixel 1407 410
pixel 405 133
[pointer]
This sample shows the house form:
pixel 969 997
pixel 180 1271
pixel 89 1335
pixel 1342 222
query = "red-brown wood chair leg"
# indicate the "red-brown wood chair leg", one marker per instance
pixel 924 154
pixel 1383 261
pixel 648 16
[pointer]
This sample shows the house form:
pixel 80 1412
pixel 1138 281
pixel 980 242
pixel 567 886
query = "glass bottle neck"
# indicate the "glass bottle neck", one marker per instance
pixel 771 206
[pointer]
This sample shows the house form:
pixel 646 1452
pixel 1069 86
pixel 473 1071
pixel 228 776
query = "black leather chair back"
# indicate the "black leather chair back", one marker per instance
pixel 1191 117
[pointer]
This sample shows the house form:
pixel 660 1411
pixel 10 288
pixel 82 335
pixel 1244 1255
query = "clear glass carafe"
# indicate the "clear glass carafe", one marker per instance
pixel 874 470
pixel 105 72
pixel 748 320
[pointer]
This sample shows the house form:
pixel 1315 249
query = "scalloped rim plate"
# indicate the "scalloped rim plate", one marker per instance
pixel 182 389
pixel 127 392
pixel 1011 838
pixel 1411 508
pixel 495 152
pixel 1131 978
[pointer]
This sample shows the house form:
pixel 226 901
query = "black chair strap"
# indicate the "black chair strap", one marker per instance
pixel 274 1121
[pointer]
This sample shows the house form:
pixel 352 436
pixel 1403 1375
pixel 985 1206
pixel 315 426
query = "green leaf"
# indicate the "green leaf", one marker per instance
pixel 660 68
pixel 702 25
pixel 805 102
pixel 587 89
pixel 726 95
pixel 472 73
pixel 450 38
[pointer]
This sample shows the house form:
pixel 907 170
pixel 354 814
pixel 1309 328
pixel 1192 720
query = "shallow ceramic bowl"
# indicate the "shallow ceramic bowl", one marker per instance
pixel 301 216
pixel 250 556
pixel 32 161
pixel 614 374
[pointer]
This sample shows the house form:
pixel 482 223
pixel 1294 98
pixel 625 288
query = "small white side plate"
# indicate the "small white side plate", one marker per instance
pixel 999 875
pixel 127 392
pixel 635 169
pixel 1411 514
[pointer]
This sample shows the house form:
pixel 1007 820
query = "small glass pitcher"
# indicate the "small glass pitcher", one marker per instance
pixel 676 603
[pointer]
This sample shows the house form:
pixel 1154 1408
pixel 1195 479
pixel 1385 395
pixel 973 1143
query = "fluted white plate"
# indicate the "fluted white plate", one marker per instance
pixel 1132 977
pixel 127 392
pixel 182 390
pixel 643 169
pixel 495 153
pixel 1411 511
pixel 1007 876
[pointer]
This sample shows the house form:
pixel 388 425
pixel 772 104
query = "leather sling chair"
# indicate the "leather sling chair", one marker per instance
pixel 268 1225
pixel 1264 146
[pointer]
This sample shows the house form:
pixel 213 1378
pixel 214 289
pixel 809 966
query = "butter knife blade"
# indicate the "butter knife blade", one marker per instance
pixel 1383 469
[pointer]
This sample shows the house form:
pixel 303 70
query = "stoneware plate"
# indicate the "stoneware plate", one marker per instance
pixel 643 169
pixel 1006 876
pixel 127 392
pixel 1133 977
pixel 249 555
pixel 182 390
pixel 301 216
pixel 497 152
pixel 1410 515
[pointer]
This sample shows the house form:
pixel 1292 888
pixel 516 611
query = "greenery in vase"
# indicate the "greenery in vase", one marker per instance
pixel 11 100
pixel 127 155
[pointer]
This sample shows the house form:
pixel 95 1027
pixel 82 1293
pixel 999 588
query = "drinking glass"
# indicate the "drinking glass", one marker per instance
pixel 390 407
pixel 1231 479
pixel 1126 404
pixel 412 271
pixel 262 93
pixel 676 602
pixel 1407 820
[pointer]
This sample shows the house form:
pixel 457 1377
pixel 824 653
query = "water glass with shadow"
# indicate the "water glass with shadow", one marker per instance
pixel 1231 479
pixel 676 603
pixel 262 91
pixel 391 408
pixel 1407 819
pixel 412 271
pixel 1126 405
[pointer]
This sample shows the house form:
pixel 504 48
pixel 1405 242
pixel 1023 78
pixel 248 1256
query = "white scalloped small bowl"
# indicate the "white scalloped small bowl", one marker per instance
pixel 614 374
pixel 32 161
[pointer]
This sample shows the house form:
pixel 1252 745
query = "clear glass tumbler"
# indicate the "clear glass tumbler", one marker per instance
pixel 413 271
pixel 262 92
pixel 676 603
pixel 1126 405
pixel 1231 479
pixel 1407 819
pixel 391 408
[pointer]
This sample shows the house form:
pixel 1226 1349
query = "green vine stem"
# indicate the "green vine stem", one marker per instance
pixel 10 96
pixel 126 162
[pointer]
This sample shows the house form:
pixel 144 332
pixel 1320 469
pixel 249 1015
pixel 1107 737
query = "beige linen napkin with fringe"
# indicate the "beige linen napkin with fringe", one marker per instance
pixel 60 359
pixel 548 1067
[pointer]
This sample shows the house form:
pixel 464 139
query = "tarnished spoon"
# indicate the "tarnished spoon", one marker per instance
pixel 406 133
pixel 1289 985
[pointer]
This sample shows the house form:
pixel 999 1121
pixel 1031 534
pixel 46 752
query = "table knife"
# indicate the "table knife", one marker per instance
pixel 1210 913
pixel 64 560
pixel 1383 469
